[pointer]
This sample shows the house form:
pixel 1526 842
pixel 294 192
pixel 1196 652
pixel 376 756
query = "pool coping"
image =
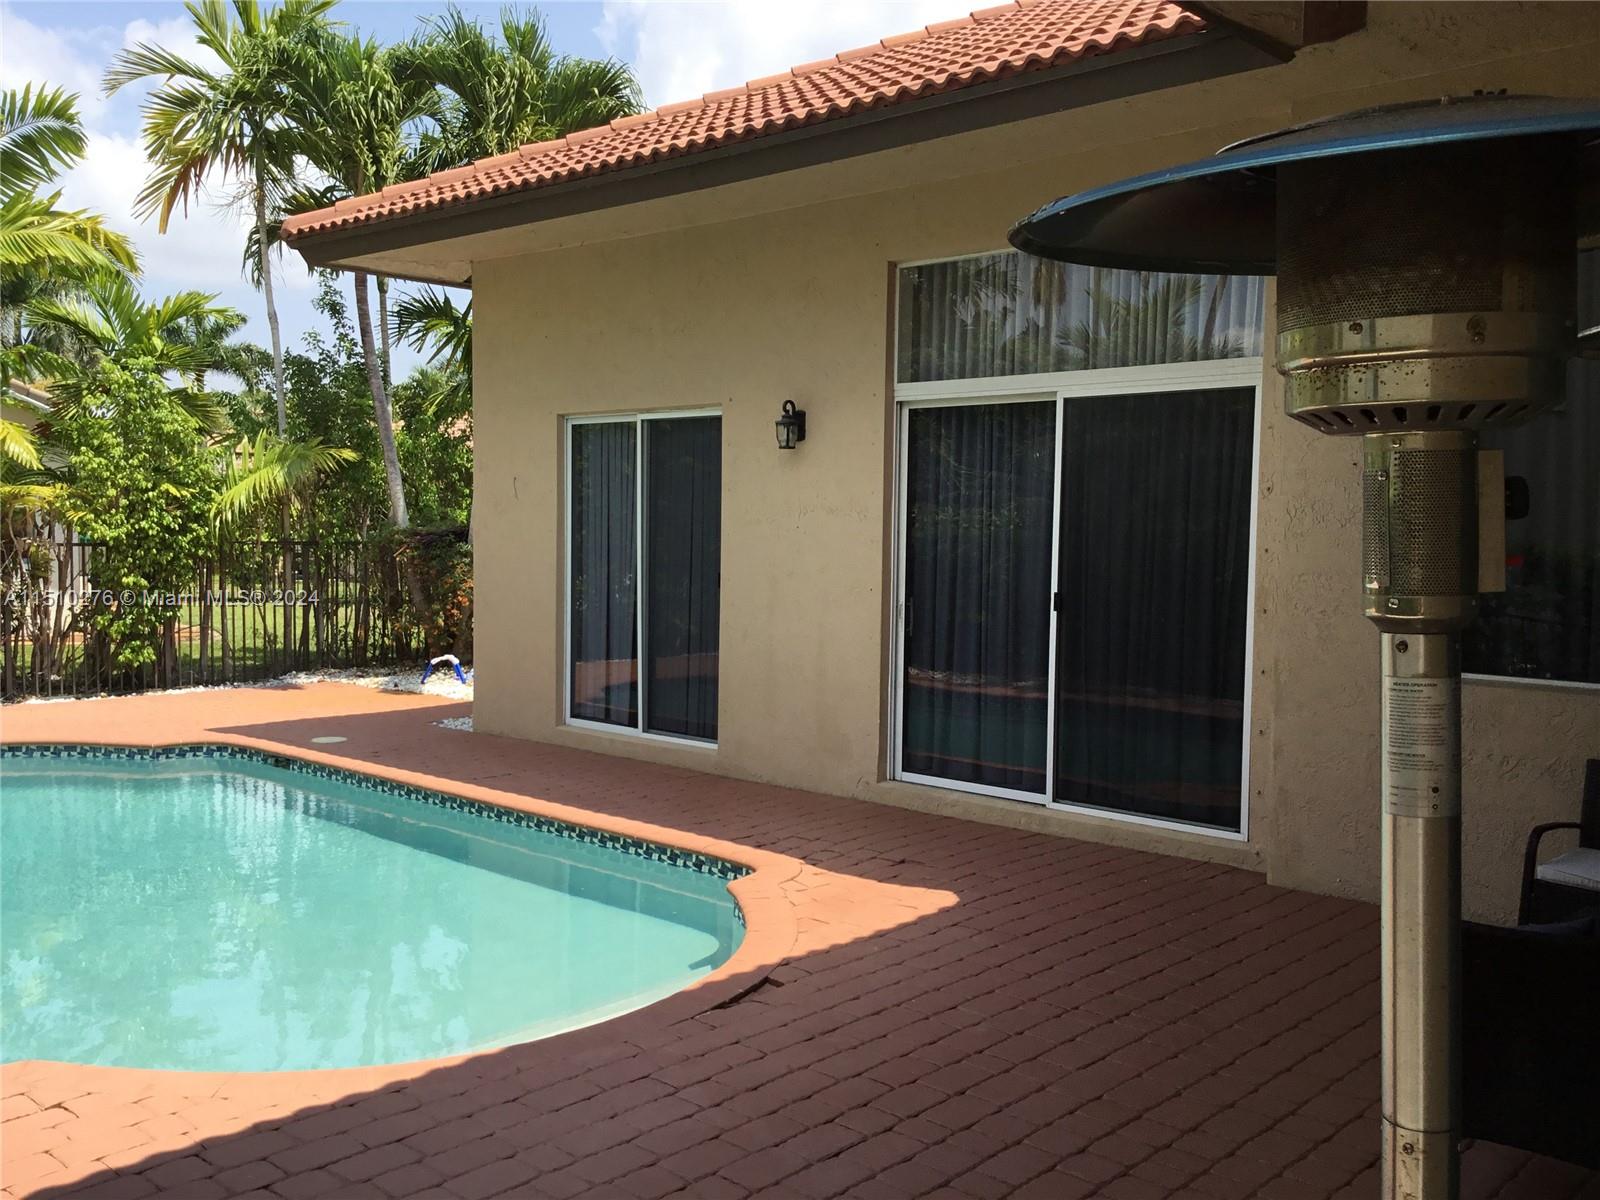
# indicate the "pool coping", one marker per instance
pixel 770 926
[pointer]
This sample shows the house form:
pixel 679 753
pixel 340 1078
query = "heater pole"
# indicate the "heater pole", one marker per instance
pixel 1420 577
pixel 1421 772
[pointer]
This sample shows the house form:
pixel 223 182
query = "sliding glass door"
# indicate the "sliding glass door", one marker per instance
pixel 1074 590
pixel 644 573
pixel 975 593
pixel 1153 594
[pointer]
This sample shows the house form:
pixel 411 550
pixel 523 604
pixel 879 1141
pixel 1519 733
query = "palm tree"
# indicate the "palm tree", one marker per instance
pixel 358 112
pixel 496 94
pixel 429 321
pixel 271 473
pixel 210 333
pixel 44 250
pixel 27 484
pixel 377 117
pixel 231 121
pixel 36 237
pixel 112 320
pixel 18 445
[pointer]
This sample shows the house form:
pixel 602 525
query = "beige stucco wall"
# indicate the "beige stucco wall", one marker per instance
pixel 745 296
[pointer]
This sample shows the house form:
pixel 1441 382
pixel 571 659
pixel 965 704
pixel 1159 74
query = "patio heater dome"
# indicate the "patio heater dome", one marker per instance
pixel 1218 214
pixel 1423 251
pixel 1426 257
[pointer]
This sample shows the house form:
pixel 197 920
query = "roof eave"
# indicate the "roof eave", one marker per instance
pixel 1151 66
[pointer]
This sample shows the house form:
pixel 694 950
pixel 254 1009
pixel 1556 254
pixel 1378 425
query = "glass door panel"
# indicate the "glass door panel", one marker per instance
pixel 683 554
pixel 1153 593
pixel 604 594
pixel 976 593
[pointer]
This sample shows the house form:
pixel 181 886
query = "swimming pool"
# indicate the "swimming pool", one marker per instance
pixel 212 909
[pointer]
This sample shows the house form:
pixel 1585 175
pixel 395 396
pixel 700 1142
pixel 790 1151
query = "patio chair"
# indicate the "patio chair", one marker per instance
pixel 1530 1037
pixel 1571 881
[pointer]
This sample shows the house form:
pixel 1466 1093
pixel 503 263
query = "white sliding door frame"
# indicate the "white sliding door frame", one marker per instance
pixel 1060 387
pixel 641 729
pixel 897 692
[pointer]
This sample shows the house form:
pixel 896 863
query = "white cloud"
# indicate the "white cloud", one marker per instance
pixel 681 49
pixel 65 58
pixel 201 250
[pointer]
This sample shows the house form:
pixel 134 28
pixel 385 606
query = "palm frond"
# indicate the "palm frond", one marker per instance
pixel 36 236
pixel 269 471
pixel 147 61
pixel 40 135
pixel 429 321
pixel 18 445
pixel 33 497
pixel 30 360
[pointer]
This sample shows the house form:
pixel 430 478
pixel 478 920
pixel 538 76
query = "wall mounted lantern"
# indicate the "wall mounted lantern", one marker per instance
pixel 791 426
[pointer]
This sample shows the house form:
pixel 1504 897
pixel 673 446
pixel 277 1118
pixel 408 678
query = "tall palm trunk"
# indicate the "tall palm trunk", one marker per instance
pixel 383 329
pixel 380 405
pixel 272 307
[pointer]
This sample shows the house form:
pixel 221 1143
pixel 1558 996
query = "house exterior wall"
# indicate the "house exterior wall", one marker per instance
pixel 741 306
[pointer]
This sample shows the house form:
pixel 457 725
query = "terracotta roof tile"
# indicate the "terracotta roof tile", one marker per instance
pixel 992 43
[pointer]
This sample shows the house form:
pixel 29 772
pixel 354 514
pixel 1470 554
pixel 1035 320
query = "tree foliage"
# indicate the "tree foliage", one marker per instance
pixel 142 485
pixel 40 136
pixel 168 432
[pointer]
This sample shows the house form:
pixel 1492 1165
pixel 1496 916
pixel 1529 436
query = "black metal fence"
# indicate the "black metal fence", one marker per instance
pixel 252 611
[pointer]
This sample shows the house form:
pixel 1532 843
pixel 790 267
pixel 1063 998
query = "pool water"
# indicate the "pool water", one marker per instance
pixel 224 914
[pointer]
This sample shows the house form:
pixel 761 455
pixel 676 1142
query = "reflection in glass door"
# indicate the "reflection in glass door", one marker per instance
pixel 1152 603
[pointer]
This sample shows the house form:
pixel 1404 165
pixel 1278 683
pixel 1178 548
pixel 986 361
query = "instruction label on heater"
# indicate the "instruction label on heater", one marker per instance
pixel 1421 759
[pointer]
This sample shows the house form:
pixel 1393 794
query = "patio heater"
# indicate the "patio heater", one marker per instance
pixel 1425 256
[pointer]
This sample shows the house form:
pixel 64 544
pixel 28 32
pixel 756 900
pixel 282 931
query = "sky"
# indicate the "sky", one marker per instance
pixel 678 49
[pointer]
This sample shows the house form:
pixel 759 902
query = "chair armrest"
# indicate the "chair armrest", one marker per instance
pixel 1530 862
pixel 1536 834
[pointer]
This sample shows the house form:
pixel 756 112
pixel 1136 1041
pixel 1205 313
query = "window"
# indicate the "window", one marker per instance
pixel 1074 557
pixel 644 572
pixel 996 315
pixel 1546 624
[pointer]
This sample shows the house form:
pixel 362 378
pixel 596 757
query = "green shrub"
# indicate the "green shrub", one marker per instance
pixel 139 486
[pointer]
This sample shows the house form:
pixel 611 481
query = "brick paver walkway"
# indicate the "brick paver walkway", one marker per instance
pixel 923 1007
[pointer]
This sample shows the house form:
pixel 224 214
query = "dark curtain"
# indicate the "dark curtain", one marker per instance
pixel 605 663
pixel 683 554
pixel 1155 530
pixel 977 593
pixel 1546 624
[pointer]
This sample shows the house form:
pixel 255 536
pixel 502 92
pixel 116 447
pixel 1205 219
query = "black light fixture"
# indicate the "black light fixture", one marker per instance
pixel 1425 256
pixel 791 426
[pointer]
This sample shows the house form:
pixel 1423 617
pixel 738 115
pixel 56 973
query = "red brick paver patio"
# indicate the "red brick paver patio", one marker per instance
pixel 923 1007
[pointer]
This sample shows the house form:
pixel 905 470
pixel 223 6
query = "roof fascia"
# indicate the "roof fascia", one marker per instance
pixel 1166 63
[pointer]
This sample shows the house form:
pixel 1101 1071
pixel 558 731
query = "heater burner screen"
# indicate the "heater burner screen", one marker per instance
pixel 1432 499
pixel 1419 528
pixel 1359 239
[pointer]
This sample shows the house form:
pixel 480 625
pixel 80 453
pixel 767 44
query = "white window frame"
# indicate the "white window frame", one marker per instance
pixel 640 730
pixel 1060 386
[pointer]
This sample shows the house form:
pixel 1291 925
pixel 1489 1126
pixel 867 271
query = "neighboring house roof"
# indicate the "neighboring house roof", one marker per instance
pixel 990 44
pixel 28 395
